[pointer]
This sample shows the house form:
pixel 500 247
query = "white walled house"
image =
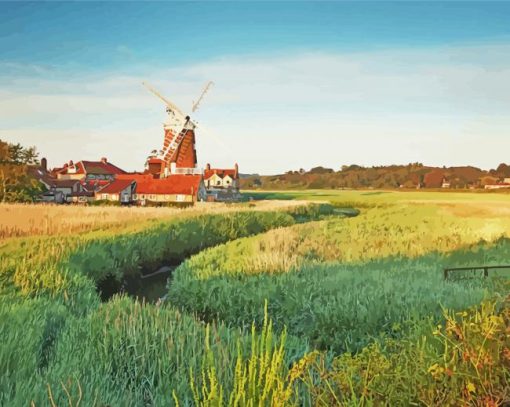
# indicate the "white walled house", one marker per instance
pixel 120 190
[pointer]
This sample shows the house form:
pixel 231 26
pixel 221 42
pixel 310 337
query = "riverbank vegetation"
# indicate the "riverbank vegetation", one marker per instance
pixel 273 304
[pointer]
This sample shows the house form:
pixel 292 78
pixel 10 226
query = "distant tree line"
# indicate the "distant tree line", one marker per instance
pixel 413 175
pixel 16 184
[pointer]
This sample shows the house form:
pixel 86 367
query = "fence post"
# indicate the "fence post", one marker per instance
pixel 445 274
pixel 486 272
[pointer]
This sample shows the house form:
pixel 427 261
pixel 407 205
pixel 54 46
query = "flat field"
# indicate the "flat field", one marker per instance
pixel 281 302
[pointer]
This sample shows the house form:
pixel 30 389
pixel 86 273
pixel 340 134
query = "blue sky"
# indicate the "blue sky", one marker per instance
pixel 376 82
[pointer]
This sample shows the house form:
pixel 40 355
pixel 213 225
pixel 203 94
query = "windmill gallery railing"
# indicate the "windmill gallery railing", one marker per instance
pixel 485 269
pixel 187 171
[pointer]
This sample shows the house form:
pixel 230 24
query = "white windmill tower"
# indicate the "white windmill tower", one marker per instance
pixel 179 157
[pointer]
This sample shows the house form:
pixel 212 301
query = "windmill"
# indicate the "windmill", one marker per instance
pixel 178 154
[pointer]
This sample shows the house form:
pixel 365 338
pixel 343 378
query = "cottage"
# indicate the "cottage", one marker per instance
pixel 81 197
pixel 222 184
pixel 174 188
pixel 92 174
pixel 119 190
pixel 500 185
pixel 57 190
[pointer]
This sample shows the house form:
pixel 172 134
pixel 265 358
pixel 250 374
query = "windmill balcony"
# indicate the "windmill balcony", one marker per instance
pixel 187 171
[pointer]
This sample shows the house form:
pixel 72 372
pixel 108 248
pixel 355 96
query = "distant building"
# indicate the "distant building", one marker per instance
pixel 57 190
pixel 500 185
pixel 174 188
pixel 119 190
pixel 81 197
pixel 92 174
pixel 222 184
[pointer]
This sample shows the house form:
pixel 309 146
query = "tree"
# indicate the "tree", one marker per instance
pixel 320 170
pixel 16 184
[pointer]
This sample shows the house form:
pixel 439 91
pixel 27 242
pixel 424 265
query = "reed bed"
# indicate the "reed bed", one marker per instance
pixel 352 279
pixel 19 220
pixel 260 316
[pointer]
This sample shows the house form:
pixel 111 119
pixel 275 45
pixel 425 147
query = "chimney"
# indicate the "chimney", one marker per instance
pixel 236 168
pixel 44 164
pixel 104 160
pixel 71 163
pixel 208 166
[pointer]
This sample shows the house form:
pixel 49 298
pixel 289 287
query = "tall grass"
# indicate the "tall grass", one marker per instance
pixel 371 285
pixel 69 267
pixel 128 354
pixel 342 284
pixel 21 220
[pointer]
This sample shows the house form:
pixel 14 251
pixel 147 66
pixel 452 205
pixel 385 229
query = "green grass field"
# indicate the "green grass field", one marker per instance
pixel 300 305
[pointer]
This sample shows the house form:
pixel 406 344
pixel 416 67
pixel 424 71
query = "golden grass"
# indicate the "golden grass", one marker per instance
pixel 21 220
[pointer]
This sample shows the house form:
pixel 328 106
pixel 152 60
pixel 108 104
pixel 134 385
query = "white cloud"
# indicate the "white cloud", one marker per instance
pixel 442 105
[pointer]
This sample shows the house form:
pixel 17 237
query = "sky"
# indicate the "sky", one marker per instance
pixel 296 84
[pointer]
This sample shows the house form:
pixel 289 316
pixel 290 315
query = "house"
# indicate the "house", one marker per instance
pixel 221 178
pixel 92 174
pixel 81 197
pixel 222 184
pixel 57 190
pixel 119 190
pixel 174 188
pixel 500 185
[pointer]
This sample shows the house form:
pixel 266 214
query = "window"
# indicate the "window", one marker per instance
pixel 218 182
pixel 104 196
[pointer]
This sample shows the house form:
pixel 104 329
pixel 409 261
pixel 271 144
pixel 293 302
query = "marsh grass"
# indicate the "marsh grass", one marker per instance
pixel 371 285
pixel 19 220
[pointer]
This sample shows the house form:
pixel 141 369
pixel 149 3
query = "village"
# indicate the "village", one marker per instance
pixel 170 176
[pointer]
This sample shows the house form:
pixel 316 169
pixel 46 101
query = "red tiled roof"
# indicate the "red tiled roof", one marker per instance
pixel 220 172
pixel 94 167
pixel 116 186
pixel 136 176
pixel 100 167
pixel 173 184
pixel 94 184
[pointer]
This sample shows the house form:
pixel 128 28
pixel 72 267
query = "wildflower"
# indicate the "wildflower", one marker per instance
pixel 470 387
pixel 435 370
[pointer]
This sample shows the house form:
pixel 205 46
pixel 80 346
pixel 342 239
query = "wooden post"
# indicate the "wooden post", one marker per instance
pixel 486 272
pixel 446 274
